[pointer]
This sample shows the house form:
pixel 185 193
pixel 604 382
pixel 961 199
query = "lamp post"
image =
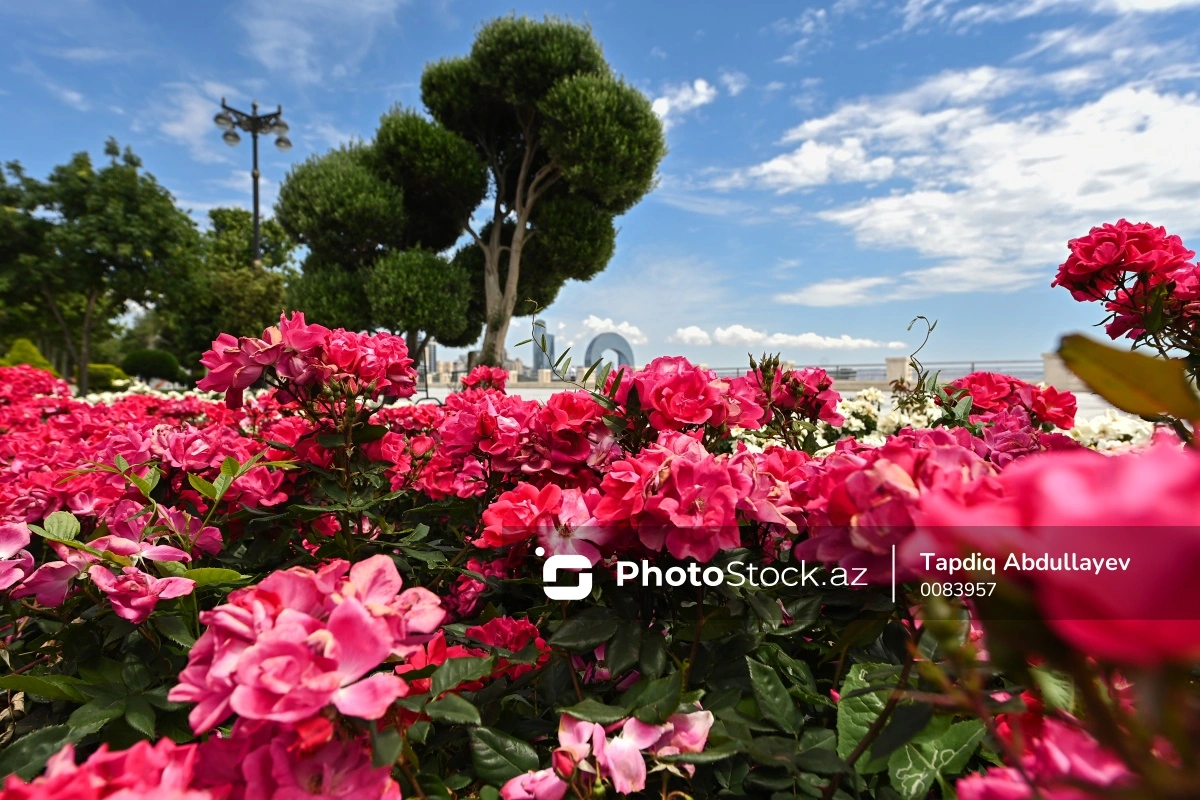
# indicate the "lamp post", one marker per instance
pixel 230 119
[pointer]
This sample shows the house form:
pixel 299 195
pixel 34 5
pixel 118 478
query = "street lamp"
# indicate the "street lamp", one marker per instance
pixel 230 119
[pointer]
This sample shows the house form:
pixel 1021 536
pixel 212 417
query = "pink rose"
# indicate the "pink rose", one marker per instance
pixel 15 561
pixel 520 514
pixel 1137 506
pixel 134 594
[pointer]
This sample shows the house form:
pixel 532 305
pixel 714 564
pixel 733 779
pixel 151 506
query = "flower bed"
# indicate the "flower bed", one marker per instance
pixel 316 591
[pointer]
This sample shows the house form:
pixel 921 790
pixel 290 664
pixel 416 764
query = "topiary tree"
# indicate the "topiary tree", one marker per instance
pixel 565 143
pixel 374 229
pixel 151 364
pixel 23 351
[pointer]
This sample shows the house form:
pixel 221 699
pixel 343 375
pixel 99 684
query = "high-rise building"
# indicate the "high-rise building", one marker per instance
pixel 542 360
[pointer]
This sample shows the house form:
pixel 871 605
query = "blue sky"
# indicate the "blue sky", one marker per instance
pixel 835 168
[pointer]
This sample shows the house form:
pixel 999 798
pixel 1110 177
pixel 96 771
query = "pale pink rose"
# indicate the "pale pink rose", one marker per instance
pixel 577 530
pixel 300 666
pixel 49 584
pixel 15 561
pixel 541 785
pixel 134 594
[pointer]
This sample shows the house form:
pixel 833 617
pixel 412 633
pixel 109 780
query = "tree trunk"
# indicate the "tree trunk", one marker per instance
pixel 68 341
pixel 416 347
pixel 85 344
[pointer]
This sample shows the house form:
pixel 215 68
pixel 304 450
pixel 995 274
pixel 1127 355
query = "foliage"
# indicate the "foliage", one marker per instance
pixel 314 589
pixel 105 377
pixel 373 232
pixel 24 351
pixel 223 288
pixel 546 116
pixel 94 239
pixel 151 364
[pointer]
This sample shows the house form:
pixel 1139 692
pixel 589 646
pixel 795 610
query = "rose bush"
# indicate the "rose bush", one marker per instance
pixel 312 590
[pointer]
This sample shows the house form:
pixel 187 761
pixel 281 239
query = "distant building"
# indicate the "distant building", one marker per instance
pixel 542 360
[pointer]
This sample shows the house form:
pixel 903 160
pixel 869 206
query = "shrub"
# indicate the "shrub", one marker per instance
pixel 151 364
pixel 104 377
pixel 24 351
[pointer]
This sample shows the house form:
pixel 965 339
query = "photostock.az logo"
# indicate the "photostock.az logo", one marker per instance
pixel 573 561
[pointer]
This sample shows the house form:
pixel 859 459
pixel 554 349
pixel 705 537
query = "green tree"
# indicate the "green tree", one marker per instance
pixel 225 291
pixel 567 147
pixel 374 230
pixel 98 238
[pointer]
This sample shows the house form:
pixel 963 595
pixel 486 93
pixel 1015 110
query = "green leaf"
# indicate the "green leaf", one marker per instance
pixel 370 433
pixel 659 699
pixel 205 488
pixel 385 746
pixel 498 757
pixel 594 711
pixel 136 676
pixel 908 720
pixel 230 466
pixel 61 525
pixel 174 629
pixel 1056 688
pixel 93 716
pixel 941 750
pixel 585 631
pixel 652 659
pixel 773 751
pixel 27 756
pixel 818 752
pixel 774 702
pixel 709 756
pixel 622 650
pixel 453 709
pixel 457 671
pixel 1140 384
pixel 856 713
pixel 211 576
pixel 140 716
pixel 52 687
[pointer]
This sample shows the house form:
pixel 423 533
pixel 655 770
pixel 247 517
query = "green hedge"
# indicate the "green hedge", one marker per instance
pixel 151 364
pixel 102 377
pixel 24 351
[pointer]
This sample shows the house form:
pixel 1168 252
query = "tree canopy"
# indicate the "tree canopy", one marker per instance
pixel 566 144
pixel 225 290
pixel 530 149
pixel 375 227
pixel 90 241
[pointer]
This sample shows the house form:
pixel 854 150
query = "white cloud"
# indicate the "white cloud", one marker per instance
pixel 326 134
pixel 734 82
pixel 810 28
pixel 65 94
pixel 741 336
pixel 816 163
pixel 308 40
pixel 679 100
pixel 990 197
pixel 594 325
pixel 188 119
pixel 70 97
pixel 836 292
pixel 958 15
pixel 692 335
pixel 89 55
pixel 658 52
